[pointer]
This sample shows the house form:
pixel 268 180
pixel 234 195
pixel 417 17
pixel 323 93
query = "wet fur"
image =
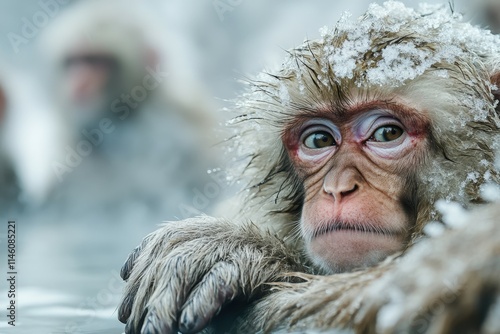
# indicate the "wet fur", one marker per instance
pixel 391 297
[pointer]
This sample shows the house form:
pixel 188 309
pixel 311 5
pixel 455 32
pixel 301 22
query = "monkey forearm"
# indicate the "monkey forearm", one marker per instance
pixel 184 273
pixel 320 302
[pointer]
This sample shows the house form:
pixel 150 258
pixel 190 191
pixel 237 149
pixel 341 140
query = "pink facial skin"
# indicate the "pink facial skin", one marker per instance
pixel 354 166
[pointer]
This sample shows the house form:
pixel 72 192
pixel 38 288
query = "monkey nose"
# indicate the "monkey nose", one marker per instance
pixel 349 191
pixel 344 185
pixel 341 193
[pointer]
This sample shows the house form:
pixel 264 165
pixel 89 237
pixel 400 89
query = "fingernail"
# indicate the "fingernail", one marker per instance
pixel 187 323
pixel 125 271
pixel 125 309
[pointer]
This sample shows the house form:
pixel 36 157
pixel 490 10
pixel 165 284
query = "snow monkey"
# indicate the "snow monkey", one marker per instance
pixel 96 52
pixel 109 58
pixel 346 150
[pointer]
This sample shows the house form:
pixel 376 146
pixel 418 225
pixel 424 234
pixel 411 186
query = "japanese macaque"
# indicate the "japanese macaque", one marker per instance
pixel 345 152
pixel 95 52
pixel 107 58
pixel 134 112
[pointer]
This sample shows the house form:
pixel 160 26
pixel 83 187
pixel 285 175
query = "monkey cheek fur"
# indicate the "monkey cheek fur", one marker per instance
pixel 347 250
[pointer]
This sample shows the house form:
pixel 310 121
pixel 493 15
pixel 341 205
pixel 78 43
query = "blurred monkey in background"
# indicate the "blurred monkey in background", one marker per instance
pixel 134 114
pixel 110 58
pixel 97 53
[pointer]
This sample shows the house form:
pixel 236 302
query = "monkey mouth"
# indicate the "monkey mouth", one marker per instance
pixel 356 227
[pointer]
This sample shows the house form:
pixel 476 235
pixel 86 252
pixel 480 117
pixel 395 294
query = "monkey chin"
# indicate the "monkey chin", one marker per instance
pixel 347 250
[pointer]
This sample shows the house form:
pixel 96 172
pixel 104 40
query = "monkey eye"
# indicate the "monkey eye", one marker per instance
pixel 387 133
pixel 319 139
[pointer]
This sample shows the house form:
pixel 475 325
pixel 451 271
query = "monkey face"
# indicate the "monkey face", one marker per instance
pixel 357 165
pixel 89 75
pixel 88 84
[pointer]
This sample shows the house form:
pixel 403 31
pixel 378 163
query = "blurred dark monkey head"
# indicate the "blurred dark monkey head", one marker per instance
pixel 97 50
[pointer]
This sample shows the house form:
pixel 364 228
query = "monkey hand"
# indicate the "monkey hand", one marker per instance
pixel 181 275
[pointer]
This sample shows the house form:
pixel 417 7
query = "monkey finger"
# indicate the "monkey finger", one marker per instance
pixel 141 280
pixel 134 308
pixel 134 305
pixel 174 278
pixel 219 287
pixel 125 308
pixel 127 267
pixel 155 324
pixel 132 327
pixel 129 263
pixel 145 315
